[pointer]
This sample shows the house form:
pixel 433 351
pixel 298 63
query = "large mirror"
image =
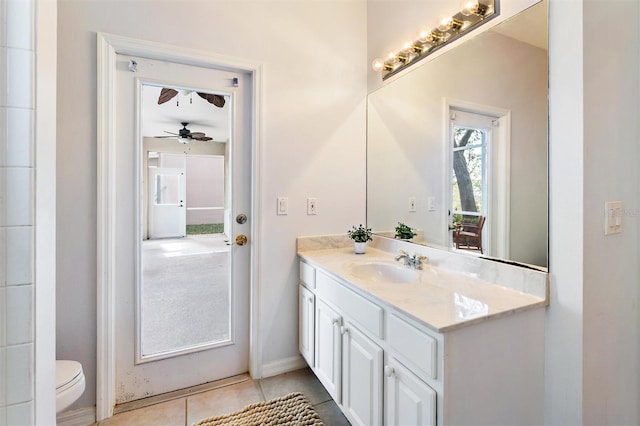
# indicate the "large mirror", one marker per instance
pixel 461 142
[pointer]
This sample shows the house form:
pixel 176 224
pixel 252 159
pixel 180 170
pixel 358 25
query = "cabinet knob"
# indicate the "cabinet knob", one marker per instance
pixel 310 300
pixel 344 330
pixel 389 371
pixel 334 321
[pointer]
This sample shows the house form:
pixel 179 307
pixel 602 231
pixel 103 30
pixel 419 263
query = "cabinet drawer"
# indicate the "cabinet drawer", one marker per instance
pixel 367 314
pixel 308 275
pixel 413 345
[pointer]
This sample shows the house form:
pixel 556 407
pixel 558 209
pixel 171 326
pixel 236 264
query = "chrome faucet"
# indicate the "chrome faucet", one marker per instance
pixel 412 261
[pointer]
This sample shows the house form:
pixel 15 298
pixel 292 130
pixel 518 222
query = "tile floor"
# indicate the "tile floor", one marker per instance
pixel 188 410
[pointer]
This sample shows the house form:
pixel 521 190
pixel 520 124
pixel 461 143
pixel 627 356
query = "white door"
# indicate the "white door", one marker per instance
pixel 361 377
pixel 142 373
pixel 167 204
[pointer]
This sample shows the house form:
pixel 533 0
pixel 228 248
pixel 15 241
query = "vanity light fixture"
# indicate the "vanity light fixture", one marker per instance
pixel 472 14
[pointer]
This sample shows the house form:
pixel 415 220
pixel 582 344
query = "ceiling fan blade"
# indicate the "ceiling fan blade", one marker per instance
pixel 216 100
pixel 202 138
pixel 166 95
pixel 196 134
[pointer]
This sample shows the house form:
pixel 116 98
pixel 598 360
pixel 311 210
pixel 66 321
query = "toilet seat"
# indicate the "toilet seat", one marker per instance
pixel 70 383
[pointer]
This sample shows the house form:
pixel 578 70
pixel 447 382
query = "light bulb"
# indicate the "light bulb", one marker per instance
pixel 377 64
pixel 423 36
pixel 445 24
pixel 469 7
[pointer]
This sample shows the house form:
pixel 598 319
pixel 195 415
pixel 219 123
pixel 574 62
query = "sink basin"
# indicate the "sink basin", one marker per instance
pixel 385 272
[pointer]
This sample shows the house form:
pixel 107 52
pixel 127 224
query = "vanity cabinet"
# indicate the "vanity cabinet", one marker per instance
pixel 383 366
pixel 349 365
pixel 349 359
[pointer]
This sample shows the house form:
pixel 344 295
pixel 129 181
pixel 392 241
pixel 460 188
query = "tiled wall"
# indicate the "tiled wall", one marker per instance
pixel 17 60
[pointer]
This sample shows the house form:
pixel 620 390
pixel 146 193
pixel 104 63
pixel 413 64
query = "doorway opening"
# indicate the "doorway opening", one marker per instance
pixel 120 218
pixel 478 151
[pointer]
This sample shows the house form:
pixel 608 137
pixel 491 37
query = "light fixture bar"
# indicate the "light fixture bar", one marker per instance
pixel 473 14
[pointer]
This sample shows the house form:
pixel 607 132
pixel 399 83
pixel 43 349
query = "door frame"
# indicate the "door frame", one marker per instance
pixel 500 205
pixel 108 47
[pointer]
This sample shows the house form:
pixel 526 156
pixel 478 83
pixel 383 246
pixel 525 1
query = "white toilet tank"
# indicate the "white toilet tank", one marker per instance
pixel 70 383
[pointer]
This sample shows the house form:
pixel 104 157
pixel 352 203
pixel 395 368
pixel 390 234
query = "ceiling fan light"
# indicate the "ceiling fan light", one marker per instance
pixel 183 140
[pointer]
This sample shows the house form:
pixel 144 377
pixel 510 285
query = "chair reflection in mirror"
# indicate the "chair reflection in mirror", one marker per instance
pixel 468 235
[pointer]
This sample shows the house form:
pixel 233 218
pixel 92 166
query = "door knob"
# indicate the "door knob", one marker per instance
pixel 241 240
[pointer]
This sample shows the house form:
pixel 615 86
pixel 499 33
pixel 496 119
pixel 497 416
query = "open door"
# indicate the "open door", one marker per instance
pixel 167 211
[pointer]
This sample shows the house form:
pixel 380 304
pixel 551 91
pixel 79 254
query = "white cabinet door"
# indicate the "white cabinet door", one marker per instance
pixel 362 362
pixel 306 330
pixel 408 400
pixel 328 349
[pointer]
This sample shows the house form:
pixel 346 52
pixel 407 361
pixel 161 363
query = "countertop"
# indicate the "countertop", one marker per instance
pixel 443 300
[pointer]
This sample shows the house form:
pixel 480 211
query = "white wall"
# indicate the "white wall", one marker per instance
pixel 592 324
pixel 45 211
pixel 313 138
pixel 611 374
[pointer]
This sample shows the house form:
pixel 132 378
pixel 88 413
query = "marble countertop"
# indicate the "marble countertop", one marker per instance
pixel 441 299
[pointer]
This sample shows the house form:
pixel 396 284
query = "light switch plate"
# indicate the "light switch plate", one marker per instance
pixel 614 213
pixel 283 206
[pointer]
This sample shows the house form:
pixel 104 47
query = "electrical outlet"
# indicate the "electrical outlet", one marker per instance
pixel 412 204
pixel 312 206
pixel 283 206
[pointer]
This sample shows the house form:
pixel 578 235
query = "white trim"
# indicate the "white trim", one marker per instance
pixel 501 173
pixel 284 365
pixel 80 417
pixel 108 46
pixel 44 196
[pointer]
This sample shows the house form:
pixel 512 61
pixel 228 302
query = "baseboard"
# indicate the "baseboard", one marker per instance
pixel 80 417
pixel 284 365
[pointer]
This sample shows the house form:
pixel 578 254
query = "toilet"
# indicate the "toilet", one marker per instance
pixel 69 383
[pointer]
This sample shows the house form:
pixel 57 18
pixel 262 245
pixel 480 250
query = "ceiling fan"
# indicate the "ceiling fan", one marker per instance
pixel 185 135
pixel 167 94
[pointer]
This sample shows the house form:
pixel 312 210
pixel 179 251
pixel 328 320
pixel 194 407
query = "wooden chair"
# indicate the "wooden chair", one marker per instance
pixel 469 235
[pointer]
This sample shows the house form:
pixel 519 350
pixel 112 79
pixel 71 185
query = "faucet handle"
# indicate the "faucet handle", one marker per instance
pixel 404 252
pixel 420 260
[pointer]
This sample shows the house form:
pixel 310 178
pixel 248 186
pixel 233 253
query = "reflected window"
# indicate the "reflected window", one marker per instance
pixel 469 171
pixel 167 190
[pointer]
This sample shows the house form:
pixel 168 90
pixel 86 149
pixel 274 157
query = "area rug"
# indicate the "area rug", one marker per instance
pixel 290 410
